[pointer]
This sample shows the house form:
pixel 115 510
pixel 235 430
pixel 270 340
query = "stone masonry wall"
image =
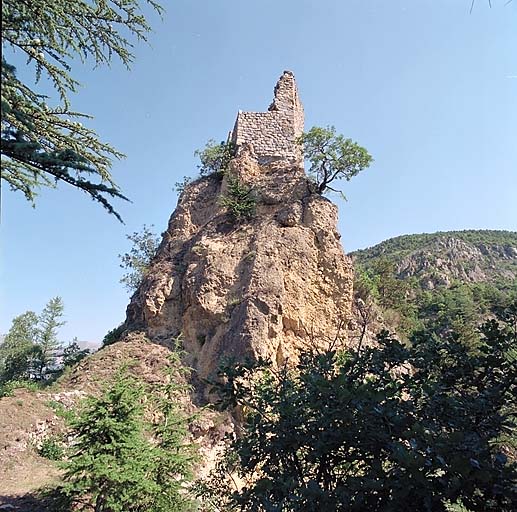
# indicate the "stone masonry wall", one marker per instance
pixel 273 134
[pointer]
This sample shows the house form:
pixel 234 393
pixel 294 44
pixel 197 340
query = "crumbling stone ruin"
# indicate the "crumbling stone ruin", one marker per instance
pixel 272 134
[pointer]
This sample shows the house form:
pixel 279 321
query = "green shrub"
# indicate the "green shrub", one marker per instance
pixel 113 336
pixel 240 201
pixel 7 388
pixel 52 448
pixel 67 414
pixel 215 158
pixel 388 427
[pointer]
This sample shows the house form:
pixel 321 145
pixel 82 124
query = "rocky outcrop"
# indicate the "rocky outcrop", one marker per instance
pixel 444 258
pixel 265 287
pixel 450 259
pixel 479 266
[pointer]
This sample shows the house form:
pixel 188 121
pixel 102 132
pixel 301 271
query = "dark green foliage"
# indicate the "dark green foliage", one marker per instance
pixel 403 245
pixel 22 363
pixel 137 261
pixel 113 336
pixel 52 448
pixel 424 279
pixel 41 144
pixel 121 463
pixel 215 158
pixel 387 429
pixel 380 283
pixel 17 350
pixel 47 343
pixel 446 307
pixel 7 388
pixel 332 157
pixel 108 467
pixel 390 289
pixel 30 349
pixel 240 200
pixel 173 456
pixel 73 353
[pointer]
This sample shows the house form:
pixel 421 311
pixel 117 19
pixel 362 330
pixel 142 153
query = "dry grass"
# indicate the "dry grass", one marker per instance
pixel 28 414
pixel 23 472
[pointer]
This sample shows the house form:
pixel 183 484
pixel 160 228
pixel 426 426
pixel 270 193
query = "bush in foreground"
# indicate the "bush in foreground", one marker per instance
pixel 389 428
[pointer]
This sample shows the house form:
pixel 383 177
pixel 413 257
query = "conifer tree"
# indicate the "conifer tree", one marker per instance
pixel 174 457
pixel 108 468
pixel 43 144
pixel 31 347
pixel 73 353
pixel 120 462
pixel 48 345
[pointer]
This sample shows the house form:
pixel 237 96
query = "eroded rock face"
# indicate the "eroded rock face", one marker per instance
pixel 265 287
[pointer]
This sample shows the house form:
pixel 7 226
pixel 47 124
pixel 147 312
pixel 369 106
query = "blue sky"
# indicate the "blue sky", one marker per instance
pixel 428 88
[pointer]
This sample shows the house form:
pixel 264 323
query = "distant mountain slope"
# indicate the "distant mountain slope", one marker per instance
pixel 440 259
pixel 439 281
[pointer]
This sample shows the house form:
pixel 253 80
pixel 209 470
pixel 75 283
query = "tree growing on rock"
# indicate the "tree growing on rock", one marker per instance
pixel 332 157
pixel 214 157
pixel 137 260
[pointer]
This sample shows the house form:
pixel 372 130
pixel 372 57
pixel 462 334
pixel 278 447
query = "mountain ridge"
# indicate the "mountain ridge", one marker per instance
pixel 439 281
pixel 476 255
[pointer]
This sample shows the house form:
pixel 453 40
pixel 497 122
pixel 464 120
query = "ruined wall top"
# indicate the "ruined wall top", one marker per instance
pixel 272 134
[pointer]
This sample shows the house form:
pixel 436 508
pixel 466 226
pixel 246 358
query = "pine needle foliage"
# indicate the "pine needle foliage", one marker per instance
pixel 240 200
pixel 122 463
pixel 43 145
pixel 108 467
pixel 30 350
pixel 50 321
pixel 174 457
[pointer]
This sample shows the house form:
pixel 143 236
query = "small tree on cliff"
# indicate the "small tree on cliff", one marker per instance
pixel 137 260
pixel 332 157
pixel 215 157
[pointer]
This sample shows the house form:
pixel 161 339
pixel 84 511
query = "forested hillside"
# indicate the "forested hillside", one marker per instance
pixel 439 281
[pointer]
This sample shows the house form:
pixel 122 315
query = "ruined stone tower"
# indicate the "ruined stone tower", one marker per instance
pixel 269 286
pixel 272 134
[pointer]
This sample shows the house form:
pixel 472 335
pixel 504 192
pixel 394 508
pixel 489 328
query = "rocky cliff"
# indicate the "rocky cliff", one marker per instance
pixel 438 281
pixel 267 286
pixel 442 259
